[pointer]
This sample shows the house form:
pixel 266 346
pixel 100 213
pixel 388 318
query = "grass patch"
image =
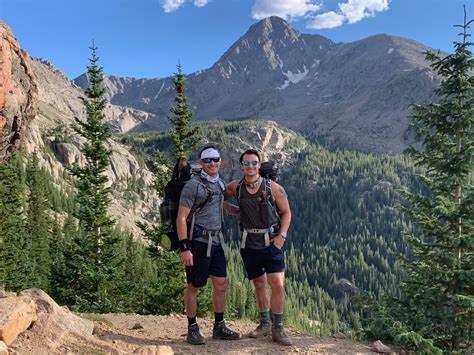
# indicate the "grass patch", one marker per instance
pixel 81 348
pixel 98 318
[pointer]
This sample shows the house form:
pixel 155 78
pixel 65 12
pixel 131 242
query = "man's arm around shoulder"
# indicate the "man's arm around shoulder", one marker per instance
pixel 230 191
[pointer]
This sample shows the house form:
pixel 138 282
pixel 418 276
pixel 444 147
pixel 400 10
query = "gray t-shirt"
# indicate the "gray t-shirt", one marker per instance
pixel 209 217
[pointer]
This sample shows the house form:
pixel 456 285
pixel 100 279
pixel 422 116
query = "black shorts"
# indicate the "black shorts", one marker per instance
pixel 205 266
pixel 260 261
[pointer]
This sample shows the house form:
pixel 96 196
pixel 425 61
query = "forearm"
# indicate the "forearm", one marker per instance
pixel 231 209
pixel 285 222
pixel 182 229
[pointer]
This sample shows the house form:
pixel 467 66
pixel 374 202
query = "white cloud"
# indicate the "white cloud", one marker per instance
pixel 284 8
pixel 200 3
pixel 173 5
pixel 327 20
pixel 356 10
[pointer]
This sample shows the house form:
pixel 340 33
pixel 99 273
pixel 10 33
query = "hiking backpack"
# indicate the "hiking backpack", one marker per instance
pixel 183 171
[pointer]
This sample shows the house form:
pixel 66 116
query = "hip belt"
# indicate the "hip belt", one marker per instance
pixel 209 234
pixel 266 232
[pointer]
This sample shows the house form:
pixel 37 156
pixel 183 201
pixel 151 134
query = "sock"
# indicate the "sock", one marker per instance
pixel 265 314
pixel 277 319
pixel 218 317
pixel 191 320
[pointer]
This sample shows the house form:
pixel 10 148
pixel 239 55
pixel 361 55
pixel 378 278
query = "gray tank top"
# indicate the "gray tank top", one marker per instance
pixel 256 213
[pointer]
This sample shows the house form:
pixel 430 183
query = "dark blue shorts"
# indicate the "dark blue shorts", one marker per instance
pixel 204 266
pixel 260 261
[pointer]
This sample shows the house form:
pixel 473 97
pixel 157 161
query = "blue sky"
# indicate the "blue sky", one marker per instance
pixel 147 38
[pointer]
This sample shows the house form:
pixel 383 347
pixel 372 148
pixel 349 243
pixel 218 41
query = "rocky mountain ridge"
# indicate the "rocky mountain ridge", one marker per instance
pixel 18 93
pixel 356 94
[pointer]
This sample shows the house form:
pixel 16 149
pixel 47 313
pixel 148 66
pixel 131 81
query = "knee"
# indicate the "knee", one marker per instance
pixel 260 283
pixel 277 285
pixel 220 285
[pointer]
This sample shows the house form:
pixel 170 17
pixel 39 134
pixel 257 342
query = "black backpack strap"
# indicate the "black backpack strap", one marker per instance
pixel 238 190
pixel 269 197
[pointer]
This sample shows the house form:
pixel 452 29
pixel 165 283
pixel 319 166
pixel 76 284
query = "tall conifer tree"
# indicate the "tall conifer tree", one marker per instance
pixel 184 136
pixel 15 264
pixel 440 286
pixel 38 225
pixel 96 249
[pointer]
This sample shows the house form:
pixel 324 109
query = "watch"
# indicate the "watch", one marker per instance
pixel 283 234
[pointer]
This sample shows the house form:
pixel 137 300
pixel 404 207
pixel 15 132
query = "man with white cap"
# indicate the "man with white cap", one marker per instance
pixel 201 243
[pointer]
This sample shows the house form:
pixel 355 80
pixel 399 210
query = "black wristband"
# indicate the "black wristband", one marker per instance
pixel 184 245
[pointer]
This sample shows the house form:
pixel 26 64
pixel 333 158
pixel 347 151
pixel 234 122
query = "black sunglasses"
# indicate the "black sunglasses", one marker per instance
pixel 208 160
pixel 247 163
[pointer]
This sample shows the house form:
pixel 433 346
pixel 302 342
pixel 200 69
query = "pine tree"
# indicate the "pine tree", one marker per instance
pixel 58 263
pixel 38 225
pixel 167 295
pixel 182 134
pixel 440 286
pixel 96 249
pixel 15 264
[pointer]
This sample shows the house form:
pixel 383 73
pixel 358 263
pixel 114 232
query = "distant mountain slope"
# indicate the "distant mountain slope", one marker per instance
pixel 355 93
pixel 50 135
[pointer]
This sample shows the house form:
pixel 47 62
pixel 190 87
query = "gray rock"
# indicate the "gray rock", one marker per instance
pixel 18 93
pixel 379 347
pixel 65 319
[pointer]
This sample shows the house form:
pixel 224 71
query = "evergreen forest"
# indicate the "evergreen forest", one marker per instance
pixel 380 246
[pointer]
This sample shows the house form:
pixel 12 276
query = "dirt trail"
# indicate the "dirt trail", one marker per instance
pixel 171 331
pixel 128 332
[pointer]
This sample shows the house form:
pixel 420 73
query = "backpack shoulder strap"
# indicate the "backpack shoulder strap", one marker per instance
pixel 238 190
pixel 203 182
pixel 270 200
pixel 221 184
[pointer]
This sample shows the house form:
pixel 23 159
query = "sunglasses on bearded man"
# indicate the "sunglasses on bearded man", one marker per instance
pixel 247 163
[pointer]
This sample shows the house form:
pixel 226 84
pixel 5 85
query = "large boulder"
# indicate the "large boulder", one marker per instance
pixel 18 93
pixel 16 316
pixel 66 319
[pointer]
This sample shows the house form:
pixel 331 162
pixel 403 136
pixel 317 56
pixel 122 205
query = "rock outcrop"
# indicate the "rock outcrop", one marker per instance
pixel 18 93
pixel 36 311
pixel 65 319
pixel 16 316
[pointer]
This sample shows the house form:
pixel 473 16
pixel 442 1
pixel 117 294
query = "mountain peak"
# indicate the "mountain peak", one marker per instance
pixel 272 27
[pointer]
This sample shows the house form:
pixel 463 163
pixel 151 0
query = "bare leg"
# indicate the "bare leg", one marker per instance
pixel 277 299
pixel 260 284
pixel 190 300
pixel 219 286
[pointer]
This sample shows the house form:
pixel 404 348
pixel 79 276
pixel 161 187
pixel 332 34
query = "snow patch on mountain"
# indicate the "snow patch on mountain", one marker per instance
pixel 159 91
pixel 293 77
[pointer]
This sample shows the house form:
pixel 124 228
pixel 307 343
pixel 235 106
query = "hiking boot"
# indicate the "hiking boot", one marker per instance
pixel 194 336
pixel 279 336
pixel 262 330
pixel 220 331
